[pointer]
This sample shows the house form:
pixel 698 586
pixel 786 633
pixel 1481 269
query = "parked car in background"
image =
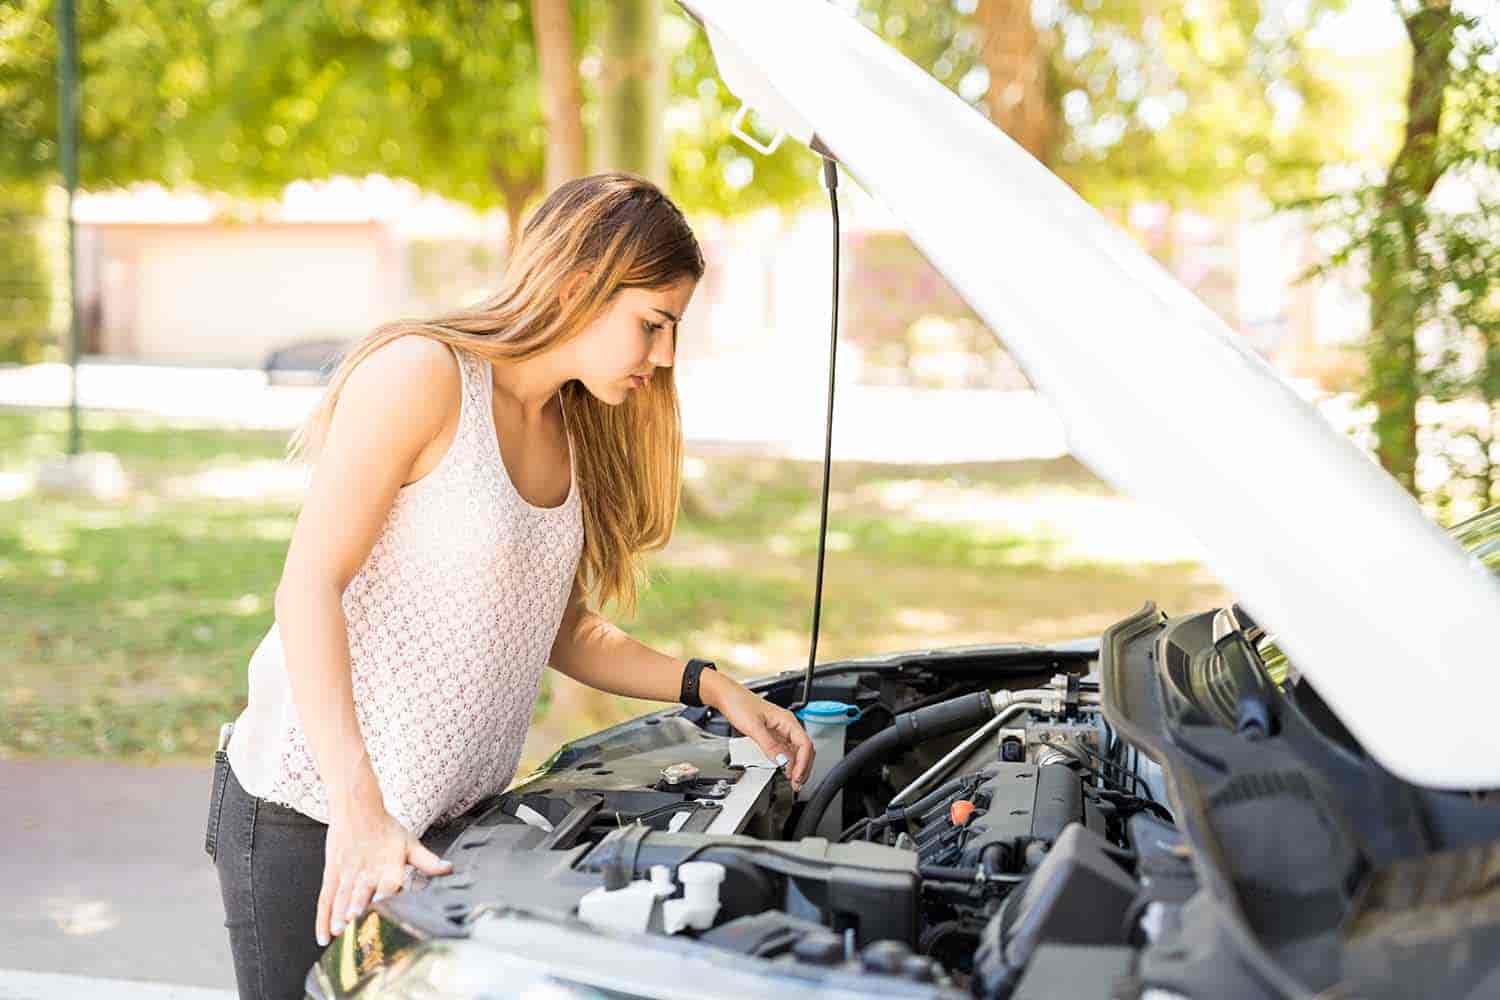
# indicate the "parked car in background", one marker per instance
pixel 304 362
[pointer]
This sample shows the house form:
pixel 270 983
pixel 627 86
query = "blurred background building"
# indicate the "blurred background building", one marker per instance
pixel 173 278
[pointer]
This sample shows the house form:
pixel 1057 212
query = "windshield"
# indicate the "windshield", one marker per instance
pixel 1479 536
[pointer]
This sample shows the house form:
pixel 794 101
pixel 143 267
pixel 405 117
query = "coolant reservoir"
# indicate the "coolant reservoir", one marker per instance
pixel 827 723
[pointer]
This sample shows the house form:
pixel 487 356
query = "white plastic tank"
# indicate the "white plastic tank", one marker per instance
pixel 827 723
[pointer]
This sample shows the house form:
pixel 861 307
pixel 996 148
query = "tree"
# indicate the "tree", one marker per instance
pixel 1432 270
pixel 561 100
pixel 1129 100
pixel 143 71
pixel 631 88
pixel 1394 387
pixel 448 95
pixel 25 292
pixel 183 92
pixel 1017 56
pixel 445 95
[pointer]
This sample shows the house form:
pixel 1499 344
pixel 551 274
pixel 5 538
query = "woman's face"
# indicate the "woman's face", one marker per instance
pixel 636 334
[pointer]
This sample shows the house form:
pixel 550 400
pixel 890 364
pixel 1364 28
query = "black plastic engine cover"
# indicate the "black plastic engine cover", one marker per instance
pixel 1077 896
pixel 1022 804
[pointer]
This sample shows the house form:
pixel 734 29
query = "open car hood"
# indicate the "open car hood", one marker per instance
pixel 1374 604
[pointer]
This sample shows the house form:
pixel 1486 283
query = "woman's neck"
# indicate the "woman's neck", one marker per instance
pixel 532 383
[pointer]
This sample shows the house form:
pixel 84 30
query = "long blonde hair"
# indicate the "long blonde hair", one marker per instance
pixel 628 458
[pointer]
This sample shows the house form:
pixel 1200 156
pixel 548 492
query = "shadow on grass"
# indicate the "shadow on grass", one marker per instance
pixel 129 628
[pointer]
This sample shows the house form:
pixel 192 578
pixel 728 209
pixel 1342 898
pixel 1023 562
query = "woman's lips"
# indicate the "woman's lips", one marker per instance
pixel 637 381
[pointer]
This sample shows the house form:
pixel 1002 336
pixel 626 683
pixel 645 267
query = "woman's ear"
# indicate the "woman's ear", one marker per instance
pixel 570 285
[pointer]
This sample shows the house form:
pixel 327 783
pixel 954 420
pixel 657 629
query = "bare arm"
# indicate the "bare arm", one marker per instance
pixel 391 406
pixel 598 653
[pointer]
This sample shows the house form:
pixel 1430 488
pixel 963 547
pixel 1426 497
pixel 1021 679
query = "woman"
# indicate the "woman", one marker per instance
pixel 457 520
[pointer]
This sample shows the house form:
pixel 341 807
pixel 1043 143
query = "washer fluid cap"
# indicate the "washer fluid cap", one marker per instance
pixel 829 713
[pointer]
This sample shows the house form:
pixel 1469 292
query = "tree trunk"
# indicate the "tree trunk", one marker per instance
pixel 1395 378
pixel 1016 55
pixel 517 190
pixel 561 103
pixel 632 91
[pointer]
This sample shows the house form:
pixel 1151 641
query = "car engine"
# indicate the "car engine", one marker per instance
pixel 955 827
pixel 988 821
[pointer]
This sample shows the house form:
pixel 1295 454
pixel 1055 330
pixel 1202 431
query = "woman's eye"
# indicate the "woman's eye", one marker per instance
pixel 649 326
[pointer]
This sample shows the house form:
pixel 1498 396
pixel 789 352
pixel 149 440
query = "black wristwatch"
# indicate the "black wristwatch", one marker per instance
pixel 690 677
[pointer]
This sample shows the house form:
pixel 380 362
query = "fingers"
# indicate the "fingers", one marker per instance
pixel 803 747
pixel 389 886
pixel 805 750
pixel 426 861
pixel 325 903
pixel 343 900
pixel 787 733
pixel 359 898
pixel 339 915
pixel 763 732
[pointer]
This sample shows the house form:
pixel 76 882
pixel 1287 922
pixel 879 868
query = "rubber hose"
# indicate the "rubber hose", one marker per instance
pixel 945 873
pixel 877 747
pixel 905 729
pixel 897 814
pixel 934 797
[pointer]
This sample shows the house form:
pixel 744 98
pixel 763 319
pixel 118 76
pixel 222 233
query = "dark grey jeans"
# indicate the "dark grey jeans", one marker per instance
pixel 270 863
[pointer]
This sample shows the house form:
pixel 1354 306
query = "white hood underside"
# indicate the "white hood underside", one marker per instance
pixel 1386 615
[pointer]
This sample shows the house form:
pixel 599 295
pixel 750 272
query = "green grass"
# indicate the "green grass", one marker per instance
pixel 151 447
pixel 129 625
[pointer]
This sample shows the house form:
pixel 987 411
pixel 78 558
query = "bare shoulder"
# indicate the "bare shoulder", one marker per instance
pixel 413 375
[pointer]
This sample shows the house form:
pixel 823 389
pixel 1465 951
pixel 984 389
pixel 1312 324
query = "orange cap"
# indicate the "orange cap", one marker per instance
pixel 960 812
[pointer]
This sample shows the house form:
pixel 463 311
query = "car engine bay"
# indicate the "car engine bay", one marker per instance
pixel 1092 819
pixel 903 890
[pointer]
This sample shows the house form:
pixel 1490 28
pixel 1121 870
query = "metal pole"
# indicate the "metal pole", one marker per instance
pixel 67 62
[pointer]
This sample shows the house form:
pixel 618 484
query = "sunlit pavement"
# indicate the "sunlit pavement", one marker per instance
pixel 230 396
pixel 762 411
pixel 17 985
pixel 726 405
pixel 105 876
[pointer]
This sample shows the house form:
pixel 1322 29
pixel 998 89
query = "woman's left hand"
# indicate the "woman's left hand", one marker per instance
pixel 773 728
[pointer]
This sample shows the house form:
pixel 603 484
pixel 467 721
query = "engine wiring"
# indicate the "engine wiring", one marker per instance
pixel 1116 783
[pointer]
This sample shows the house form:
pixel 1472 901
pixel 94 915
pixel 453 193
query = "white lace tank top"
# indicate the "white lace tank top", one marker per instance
pixel 451 619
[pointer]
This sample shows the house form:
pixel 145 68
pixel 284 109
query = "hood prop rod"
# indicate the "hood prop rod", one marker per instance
pixel 830 181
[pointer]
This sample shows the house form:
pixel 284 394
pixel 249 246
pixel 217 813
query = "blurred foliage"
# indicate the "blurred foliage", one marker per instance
pixel 1175 102
pixel 711 171
pixel 1432 266
pixel 243 96
pixel 25 287
pixel 1162 101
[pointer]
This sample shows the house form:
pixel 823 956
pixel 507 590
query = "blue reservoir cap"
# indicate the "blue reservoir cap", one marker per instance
pixel 829 713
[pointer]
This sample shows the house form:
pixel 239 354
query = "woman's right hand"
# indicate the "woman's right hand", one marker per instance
pixel 366 856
